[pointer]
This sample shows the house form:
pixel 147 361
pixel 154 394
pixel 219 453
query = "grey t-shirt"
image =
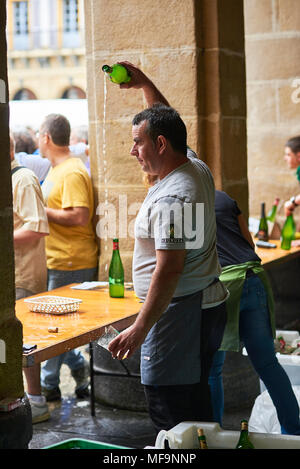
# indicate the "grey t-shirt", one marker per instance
pixel 178 213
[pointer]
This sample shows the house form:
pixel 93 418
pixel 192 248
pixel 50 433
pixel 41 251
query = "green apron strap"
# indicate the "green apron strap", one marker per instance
pixel 233 277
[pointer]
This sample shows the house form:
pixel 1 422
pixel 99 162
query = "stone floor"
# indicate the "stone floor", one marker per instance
pixel 71 418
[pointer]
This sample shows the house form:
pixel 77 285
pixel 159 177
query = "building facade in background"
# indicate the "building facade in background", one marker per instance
pixel 46 49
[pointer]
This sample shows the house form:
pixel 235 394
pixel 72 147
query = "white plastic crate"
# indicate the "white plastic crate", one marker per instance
pixel 264 418
pixel 184 436
pixel 290 363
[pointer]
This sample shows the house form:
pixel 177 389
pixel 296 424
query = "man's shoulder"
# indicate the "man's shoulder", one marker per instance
pixel 72 167
pixel 24 175
pixel 222 198
pixel 75 165
pixel 190 180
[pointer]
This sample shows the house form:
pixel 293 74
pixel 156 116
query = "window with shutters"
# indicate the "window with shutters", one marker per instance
pixel 20 25
pixel 71 35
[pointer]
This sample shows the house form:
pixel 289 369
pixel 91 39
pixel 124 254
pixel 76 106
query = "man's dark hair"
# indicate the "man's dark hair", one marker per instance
pixel 24 142
pixel 166 121
pixel 294 144
pixel 59 129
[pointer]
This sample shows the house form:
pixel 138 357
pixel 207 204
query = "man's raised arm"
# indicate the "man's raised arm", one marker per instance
pixel 140 81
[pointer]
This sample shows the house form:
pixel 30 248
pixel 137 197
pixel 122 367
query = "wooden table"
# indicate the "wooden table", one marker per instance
pixel 274 256
pixel 96 311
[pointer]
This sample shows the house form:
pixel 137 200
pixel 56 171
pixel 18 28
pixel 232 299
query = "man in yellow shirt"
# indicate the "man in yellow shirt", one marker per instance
pixel 71 248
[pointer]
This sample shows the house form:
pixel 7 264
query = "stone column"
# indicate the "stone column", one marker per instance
pixel 194 52
pixel 15 426
pixel 272 39
pixel 221 94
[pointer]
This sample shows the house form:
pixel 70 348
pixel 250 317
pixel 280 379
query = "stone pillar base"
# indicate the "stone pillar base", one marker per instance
pixel 120 392
pixel 16 427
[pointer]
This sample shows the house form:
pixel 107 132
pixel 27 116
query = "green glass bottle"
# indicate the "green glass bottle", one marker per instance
pixel 116 273
pixel 263 225
pixel 202 439
pixel 272 213
pixel 244 440
pixel 117 73
pixel 288 232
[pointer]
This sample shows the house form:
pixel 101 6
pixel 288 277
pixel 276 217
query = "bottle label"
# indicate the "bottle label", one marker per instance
pixel 115 245
pixel 263 235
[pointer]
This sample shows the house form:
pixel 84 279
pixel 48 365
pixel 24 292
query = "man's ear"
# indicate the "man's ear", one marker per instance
pixel 47 138
pixel 298 156
pixel 161 143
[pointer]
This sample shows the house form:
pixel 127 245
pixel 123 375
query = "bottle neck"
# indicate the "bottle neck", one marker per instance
pixel 115 245
pixel 244 427
pixel 107 69
pixel 263 215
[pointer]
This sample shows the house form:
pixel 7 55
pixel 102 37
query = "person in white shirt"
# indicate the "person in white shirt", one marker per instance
pixel 30 229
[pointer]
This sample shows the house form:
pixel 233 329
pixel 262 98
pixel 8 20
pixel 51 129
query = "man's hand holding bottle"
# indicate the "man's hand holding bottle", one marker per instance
pixel 140 81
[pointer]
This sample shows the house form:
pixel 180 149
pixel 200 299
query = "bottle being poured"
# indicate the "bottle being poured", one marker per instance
pixel 117 73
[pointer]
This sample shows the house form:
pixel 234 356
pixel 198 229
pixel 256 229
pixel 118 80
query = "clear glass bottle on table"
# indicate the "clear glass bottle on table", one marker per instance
pixel 244 440
pixel 117 73
pixel 288 232
pixel 116 273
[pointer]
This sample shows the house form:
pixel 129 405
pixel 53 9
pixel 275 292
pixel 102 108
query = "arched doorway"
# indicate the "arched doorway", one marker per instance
pixel 74 92
pixel 24 94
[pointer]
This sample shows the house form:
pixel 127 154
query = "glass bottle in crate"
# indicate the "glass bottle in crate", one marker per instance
pixel 202 439
pixel 244 440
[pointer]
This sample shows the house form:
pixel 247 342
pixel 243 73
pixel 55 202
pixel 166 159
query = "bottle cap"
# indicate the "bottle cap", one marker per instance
pixel 107 69
pixel 244 424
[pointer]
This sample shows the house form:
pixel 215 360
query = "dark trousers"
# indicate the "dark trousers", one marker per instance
pixel 170 405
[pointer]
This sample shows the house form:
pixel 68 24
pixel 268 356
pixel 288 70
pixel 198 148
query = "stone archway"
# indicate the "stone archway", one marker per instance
pixel 73 92
pixel 24 94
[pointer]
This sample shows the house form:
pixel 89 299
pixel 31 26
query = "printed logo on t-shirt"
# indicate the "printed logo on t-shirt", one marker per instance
pixel 172 239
